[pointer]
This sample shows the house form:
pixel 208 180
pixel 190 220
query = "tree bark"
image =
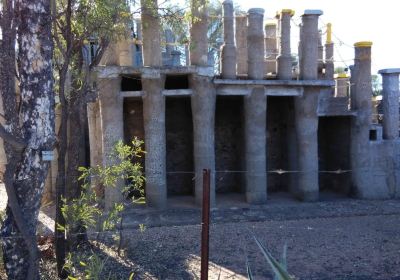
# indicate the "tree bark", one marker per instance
pixel 26 171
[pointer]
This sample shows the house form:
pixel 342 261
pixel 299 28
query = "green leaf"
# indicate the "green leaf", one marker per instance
pixel 131 276
pixel 248 269
pixel 278 269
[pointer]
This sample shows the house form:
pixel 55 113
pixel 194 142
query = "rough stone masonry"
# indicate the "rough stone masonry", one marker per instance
pixel 264 124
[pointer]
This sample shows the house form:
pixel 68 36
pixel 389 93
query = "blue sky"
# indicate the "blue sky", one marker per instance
pixel 352 21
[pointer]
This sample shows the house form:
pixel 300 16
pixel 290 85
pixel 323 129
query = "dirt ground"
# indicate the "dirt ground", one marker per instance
pixel 333 239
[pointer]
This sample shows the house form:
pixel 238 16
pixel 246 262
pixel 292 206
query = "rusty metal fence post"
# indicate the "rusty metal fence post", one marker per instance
pixel 205 225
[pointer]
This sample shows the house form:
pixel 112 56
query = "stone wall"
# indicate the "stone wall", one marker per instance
pixel 334 154
pixel 229 144
pixel 179 133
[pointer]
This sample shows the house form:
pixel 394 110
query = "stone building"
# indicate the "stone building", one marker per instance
pixel 261 125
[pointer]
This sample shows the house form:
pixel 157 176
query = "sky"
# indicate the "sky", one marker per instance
pixel 352 21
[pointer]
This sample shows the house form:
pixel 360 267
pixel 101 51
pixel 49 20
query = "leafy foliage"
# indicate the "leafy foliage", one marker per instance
pixel 86 210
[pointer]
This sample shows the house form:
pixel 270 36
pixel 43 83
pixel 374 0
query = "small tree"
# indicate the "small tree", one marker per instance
pixel 86 210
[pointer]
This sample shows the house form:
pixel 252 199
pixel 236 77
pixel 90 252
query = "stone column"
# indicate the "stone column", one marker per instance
pixel 95 132
pixel 329 47
pixel 198 33
pixel 270 48
pixel 285 57
pixel 155 139
pixel 151 33
pixel 390 102
pixel 111 108
pixel 306 118
pixel 255 43
pixel 228 49
pixel 139 42
pixel 255 110
pixel 241 44
pixel 203 114
pixel 203 102
pixel 320 55
pixel 361 94
pixel 342 85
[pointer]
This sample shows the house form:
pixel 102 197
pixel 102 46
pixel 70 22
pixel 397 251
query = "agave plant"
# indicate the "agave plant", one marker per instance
pixel 279 268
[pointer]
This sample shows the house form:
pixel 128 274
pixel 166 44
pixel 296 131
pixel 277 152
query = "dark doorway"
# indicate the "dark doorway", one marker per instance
pixel 179 137
pixel 229 144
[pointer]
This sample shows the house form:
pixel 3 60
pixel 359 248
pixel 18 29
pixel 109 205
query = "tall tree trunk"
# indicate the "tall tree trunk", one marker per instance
pixel 26 171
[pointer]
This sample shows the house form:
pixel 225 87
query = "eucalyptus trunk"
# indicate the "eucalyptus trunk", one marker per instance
pixel 33 125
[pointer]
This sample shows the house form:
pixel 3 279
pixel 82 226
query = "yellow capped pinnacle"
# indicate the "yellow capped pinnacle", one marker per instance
pixel 363 44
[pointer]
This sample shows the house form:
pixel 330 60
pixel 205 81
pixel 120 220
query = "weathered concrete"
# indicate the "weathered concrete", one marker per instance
pixel 255 43
pixel 155 140
pixel 342 85
pixel 111 105
pixel 95 141
pixel 198 33
pixel 329 54
pixel 255 109
pixel 306 118
pixel 241 44
pixel 361 93
pixel 285 58
pixel 271 50
pixel 228 49
pixel 390 102
pixel 151 31
pixel 203 110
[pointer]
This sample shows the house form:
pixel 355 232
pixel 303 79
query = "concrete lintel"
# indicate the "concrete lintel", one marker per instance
pixel 107 72
pixel 299 83
pixel 138 93
pixel 284 91
pixel 389 71
pixel 150 73
pixel 313 12
pixel 207 71
pixel 233 90
pixel 337 114
pixel 177 92
pixel 115 71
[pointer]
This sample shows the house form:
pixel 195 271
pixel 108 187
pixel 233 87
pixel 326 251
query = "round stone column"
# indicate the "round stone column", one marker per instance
pixel 361 94
pixel 341 85
pixel 285 57
pixel 271 50
pixel 255 43
pixel 228 50
pixel 390 102
pixel 306 117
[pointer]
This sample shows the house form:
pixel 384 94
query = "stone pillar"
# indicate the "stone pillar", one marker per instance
pixel 124 47
pixel 202 101
pixel 111 108
pixel 155 139
pixel 320 55
pixel 329 47
pixel 270 48
pixel 255 43
pixel 390 102
pixel 241 44
pixel 151 33
pixel 198 33
pixel 342 85
pixel 95 132
pixel 169 40
pixel 306 118
pixel 285 57
pixel 203 114
pixel 255 110
pixel 138 45
pixel 228 49
pixel 361 94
